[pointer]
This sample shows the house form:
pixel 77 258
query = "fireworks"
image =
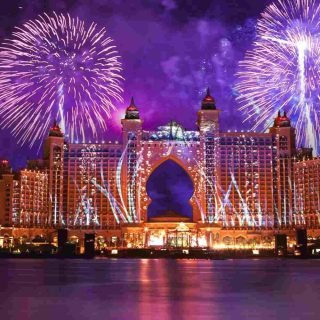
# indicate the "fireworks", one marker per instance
pixel 282 70
pixel 56 67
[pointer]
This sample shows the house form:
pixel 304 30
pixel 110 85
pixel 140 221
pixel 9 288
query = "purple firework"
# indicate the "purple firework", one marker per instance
pixel 57 67
pixel 282 70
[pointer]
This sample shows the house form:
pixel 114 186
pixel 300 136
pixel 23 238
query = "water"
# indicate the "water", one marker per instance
pixel 159 289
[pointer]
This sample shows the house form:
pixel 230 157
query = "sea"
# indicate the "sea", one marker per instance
pixel 57 289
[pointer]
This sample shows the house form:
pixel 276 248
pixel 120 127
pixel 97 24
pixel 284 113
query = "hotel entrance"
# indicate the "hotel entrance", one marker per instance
pixel 181 237
pixel 174 236
pixel 178 240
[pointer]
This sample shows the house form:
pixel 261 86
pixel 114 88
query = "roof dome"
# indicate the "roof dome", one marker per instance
pixel 208 102
pixel 55 130
pixel 132 111
pixel 282 121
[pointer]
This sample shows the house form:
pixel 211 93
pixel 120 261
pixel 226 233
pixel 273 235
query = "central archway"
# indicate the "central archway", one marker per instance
pixel 170 189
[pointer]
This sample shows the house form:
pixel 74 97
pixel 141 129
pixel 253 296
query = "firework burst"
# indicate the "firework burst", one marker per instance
pixel 57 67
pixel 282 70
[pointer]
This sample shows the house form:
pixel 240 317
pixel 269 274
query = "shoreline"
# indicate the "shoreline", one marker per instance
pixel 198 254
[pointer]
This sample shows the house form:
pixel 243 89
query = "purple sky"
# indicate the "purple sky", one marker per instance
pixel 171 51
pixel 174 191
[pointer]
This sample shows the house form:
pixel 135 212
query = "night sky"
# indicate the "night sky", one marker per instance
pixel 173 193
pixel 172 50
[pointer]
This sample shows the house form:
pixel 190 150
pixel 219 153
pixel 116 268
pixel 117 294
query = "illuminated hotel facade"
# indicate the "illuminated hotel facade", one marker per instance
pixel 307 190
pixel 247 185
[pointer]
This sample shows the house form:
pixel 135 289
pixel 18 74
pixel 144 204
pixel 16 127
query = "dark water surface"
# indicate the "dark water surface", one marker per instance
pixel 159 289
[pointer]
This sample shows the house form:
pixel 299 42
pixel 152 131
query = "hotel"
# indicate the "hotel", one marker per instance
pixel 247 185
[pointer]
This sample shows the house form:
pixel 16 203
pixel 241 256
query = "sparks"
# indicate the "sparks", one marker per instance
pixel 57 67
pixel 282 70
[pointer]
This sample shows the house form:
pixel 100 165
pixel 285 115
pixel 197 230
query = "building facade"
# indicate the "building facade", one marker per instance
pixel 242 181
pixel 307 191
pixel 33 205
pixel 8 195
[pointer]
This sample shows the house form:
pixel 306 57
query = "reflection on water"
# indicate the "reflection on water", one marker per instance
pixel 159 289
